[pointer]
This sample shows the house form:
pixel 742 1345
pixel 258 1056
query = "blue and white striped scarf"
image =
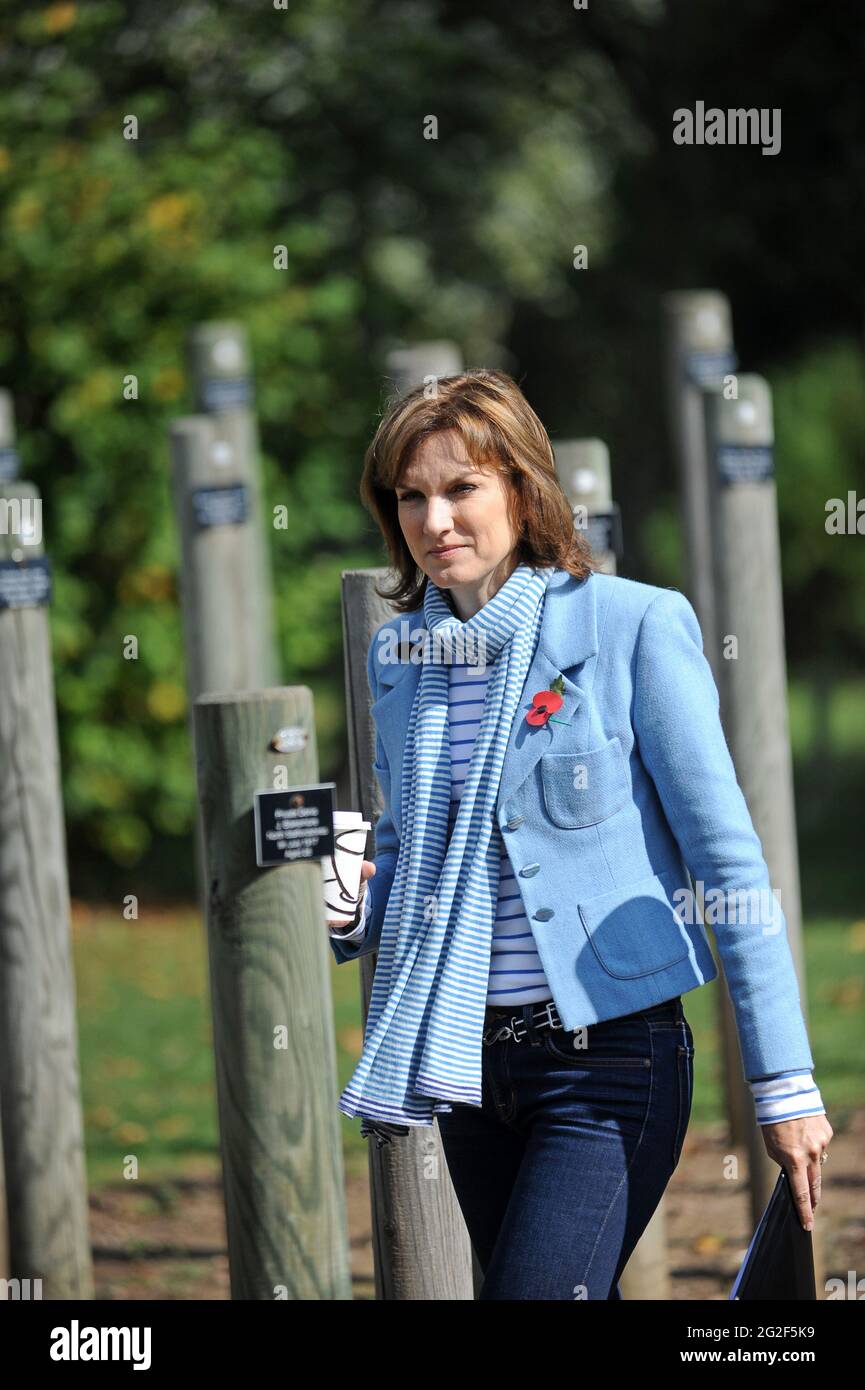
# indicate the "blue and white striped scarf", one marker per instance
pixel 423 1035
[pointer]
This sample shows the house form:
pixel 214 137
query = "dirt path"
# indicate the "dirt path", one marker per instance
pixel 168 1241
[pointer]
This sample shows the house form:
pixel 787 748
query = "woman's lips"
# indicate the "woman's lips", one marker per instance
pixel 449 550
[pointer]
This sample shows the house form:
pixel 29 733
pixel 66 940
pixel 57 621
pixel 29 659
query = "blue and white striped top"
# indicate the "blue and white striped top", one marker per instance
pixel 516 974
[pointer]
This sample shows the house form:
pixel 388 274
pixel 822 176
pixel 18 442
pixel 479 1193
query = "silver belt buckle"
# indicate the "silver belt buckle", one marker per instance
pixel 547 1021
pixel 506 1030
pixel 516 1022
pixel 502 1030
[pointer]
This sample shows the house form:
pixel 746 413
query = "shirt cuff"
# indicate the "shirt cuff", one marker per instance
pixel 786 1096
pixel 359 932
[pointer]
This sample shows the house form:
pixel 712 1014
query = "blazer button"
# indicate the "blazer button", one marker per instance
pixel 514 822
pixel 544 914
pixel 530 870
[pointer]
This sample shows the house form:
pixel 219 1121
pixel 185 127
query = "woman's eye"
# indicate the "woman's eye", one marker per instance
pixel 461 487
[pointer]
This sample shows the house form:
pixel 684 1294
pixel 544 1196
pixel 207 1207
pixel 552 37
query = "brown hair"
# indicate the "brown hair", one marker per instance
pixel 501 432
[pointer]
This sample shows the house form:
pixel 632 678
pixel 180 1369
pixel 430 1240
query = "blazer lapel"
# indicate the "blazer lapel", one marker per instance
pixel 568 637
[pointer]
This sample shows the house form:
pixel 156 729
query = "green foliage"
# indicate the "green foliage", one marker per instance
pixel 303 127
pixel 820 445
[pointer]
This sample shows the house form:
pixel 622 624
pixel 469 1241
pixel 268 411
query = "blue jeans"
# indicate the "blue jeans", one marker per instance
pixel 559 1172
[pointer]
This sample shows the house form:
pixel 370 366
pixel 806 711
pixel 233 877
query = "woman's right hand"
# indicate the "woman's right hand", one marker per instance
pixel 367 869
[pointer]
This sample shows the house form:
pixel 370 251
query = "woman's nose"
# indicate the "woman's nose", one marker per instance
pixel 438 518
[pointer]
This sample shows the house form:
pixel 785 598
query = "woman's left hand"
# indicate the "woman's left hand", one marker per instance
pixel 797 1145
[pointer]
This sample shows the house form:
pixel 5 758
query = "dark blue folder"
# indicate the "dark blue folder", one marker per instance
pixel 779 1262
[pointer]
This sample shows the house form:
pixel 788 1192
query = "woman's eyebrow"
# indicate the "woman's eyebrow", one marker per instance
pixel 413 487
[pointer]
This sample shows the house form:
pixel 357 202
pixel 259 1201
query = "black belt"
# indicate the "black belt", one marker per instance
pixel 500 1025
pixel 544 1015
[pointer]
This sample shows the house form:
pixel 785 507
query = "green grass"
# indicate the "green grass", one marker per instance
pixel 147 1061
pixel 835 971
pixel 148 1085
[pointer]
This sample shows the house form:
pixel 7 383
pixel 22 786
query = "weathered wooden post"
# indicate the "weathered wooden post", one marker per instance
pixel 583 466
pixel 9 461
pixel 222 601
pixel 698 343
pixel 753 681
pixel 40 1102
pixel 753 687
pixel 9 468
pixel 273 1031
pixel 408 367
pixel 421 1246
pixel 222 373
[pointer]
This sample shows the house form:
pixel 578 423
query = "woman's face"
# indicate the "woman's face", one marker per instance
pixel 444 500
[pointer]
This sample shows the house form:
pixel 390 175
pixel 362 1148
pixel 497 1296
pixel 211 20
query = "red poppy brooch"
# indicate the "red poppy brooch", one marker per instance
pixel 546 702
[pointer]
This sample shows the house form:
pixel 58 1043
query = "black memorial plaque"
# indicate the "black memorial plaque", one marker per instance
pixel 294 823
pixel 220 506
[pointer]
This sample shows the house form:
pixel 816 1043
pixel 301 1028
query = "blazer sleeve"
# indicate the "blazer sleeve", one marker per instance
pixel 386 846
pixel 682 744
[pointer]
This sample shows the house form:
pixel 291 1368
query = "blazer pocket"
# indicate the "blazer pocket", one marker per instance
pixel 583 788
pixel 634 929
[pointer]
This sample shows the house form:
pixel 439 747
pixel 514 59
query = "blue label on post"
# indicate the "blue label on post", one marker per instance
pixel 709 368
pixel 220 506
pixel 604 532
pixel 226 392
pixel 25 583
pixel 745 463
pixel 9 464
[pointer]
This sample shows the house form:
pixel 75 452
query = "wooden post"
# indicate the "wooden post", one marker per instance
pixel 698 343
pixel 699 354
pixel 9 468
pixel 408 367
pixel 421 1247
pixel 224 635
pixel 9 461
pixel 583 466
pixel 222 373
pixel 753 687
pixel 273 1032
pixel 41 1122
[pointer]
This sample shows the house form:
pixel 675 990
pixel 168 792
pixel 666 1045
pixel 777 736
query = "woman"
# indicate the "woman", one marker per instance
pixel 552 766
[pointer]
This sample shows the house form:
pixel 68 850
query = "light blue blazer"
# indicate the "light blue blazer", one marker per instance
pixel 603 818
